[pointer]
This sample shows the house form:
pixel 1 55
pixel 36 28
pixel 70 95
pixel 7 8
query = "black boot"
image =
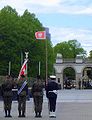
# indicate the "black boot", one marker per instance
pixel 23 114
pixel 39 115
pixel 36 114
pixel 5 113
pixel 19 113
pixel 9 113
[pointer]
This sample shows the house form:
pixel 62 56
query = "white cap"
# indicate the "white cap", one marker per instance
pixel 53 76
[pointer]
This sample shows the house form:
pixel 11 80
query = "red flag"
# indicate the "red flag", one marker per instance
pixel 23 69
pixel 40 35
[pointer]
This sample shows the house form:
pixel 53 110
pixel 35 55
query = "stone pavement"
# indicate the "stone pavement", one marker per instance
pixel 71 105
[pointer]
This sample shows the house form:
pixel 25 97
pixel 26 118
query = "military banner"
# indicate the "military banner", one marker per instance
pixel 23 69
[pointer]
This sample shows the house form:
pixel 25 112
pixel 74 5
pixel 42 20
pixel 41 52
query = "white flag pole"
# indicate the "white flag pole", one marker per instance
pixel 9 72
pixel 39 67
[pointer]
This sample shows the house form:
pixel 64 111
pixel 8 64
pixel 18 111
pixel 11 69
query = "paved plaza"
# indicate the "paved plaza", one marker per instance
pixel 71 105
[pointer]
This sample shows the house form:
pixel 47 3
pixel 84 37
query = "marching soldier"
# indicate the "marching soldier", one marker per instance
pixel 51 93
pixel 37 94
pixel 7 95
pixel 22 95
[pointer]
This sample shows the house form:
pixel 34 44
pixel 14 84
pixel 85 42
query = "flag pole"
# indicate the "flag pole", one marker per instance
pixel 42 36
pixel 46 64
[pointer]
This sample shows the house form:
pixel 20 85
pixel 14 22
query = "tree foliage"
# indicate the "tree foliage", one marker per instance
pixel 17 35
pixel 90 54
pixel 69 49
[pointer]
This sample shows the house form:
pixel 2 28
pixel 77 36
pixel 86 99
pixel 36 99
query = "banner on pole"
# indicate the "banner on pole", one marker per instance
pixel 40 35
pixel 23 69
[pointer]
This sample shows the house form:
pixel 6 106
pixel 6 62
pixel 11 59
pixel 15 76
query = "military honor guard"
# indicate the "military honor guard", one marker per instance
pixel 6 90
pixel 37 94
pixel 51 93
pixel 22 87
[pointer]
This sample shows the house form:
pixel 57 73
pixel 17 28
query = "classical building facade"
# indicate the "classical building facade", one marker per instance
pixel 79 65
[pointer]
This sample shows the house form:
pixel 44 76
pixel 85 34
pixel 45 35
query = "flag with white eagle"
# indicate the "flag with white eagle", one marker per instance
pixel 40 35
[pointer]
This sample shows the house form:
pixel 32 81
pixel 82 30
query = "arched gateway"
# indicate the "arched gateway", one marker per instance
pixel 79 66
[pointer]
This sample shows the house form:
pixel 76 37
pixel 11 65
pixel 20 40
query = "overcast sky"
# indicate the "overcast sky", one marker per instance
pixel 66 19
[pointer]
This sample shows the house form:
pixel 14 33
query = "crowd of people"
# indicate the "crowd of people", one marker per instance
pixel 51 88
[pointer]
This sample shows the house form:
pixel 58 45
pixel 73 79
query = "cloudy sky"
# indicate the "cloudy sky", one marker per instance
pixel 66 19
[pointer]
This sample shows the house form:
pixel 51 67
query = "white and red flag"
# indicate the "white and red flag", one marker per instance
pixel 23 70
pixel 40 35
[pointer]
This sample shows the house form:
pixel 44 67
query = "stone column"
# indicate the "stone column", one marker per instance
pixel 59 76
pixel 78 77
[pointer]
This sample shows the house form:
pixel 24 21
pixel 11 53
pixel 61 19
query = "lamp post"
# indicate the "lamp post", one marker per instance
pixel 21 58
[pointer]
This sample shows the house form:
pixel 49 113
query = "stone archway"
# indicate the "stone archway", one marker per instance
pixel 77 64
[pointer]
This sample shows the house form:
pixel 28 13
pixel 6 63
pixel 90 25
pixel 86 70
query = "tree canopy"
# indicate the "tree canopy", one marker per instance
pixel 90 54
pixel 17 35
pixel 69 49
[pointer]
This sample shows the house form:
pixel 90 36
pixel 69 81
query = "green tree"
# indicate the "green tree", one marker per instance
pixel 17 35
pixel 90 54
pixel 69 49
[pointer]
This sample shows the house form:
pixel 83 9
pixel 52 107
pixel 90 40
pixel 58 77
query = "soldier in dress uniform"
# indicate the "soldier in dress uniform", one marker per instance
pixel 22 95
pixel 51 93
pixel 37 94
pixel 7 95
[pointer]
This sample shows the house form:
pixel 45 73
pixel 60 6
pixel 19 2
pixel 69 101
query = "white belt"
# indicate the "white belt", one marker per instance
pixel 54 91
